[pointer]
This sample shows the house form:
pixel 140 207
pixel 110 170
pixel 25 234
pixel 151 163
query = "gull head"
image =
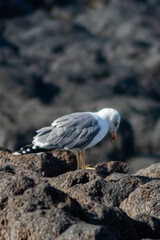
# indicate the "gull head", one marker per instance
pixel 112 117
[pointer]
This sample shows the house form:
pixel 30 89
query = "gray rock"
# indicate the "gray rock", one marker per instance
pixel 85 231
pixel 124 185
pixel 114 219
pixel 144 200
pixel 152 171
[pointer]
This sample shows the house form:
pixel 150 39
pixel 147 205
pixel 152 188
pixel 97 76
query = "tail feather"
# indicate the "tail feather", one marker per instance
pixel 28 149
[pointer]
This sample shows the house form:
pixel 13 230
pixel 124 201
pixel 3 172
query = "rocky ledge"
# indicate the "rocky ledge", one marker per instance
pixel 44 197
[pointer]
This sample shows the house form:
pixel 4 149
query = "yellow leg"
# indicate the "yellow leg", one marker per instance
pixel 83 160
pixel 87 167
pixel 78 159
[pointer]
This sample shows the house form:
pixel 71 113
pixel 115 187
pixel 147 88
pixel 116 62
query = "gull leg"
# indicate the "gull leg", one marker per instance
pixel 83 162
pixel 87 167
pixel 78 159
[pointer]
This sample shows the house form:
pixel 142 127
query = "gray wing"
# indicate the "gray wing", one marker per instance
pixel 75 130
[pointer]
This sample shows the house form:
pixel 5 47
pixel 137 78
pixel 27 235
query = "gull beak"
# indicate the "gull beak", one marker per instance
pixel 114 136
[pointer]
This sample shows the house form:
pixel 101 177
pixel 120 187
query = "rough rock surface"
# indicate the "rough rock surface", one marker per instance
pixel 86 204
pixel 112 166
pixel 100 188
pixel 47 164
pixel 144 200
pixel 83 231
pixel 152 171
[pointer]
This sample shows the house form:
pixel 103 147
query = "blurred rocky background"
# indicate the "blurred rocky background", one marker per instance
pixel 59 56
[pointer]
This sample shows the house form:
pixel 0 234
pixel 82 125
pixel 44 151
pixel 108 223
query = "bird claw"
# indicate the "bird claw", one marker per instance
pixel 87 167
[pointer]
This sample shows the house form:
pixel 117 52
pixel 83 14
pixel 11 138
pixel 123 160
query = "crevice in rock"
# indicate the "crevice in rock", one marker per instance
pixel 82 180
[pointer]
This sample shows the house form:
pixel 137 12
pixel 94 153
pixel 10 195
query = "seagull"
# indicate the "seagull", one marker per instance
pixel 76 131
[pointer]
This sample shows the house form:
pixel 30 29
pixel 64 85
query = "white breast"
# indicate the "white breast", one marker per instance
pixel 101 134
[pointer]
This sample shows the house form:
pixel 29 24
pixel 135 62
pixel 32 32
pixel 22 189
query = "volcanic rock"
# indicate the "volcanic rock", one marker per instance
pixel 48 164
pixel 83 231
pixel 112 166
pixel 86 203
pixel 144 200
pixel 35 210
pixel 86 185
pixel 152 171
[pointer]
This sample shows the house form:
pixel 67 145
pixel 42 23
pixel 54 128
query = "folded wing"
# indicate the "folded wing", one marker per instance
pixel 75 130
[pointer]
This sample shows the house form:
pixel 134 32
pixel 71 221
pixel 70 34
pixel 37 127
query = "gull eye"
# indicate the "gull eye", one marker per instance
pixel 116 124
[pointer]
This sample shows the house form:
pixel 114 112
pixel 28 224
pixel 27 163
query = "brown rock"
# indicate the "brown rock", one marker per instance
pixel 88 185
pixel 113 166
pixel 38 210
pixel 4 156
pixel 70 179
pixel 47 164
pixel 82 185
pixel 84 203
pixel 34 210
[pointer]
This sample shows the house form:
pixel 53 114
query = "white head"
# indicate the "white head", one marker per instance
pixel 112 117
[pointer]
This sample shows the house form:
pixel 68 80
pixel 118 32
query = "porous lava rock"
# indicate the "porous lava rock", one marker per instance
pixel 86 203
pixel 48 164
pixel 152 171
pixel 144 200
